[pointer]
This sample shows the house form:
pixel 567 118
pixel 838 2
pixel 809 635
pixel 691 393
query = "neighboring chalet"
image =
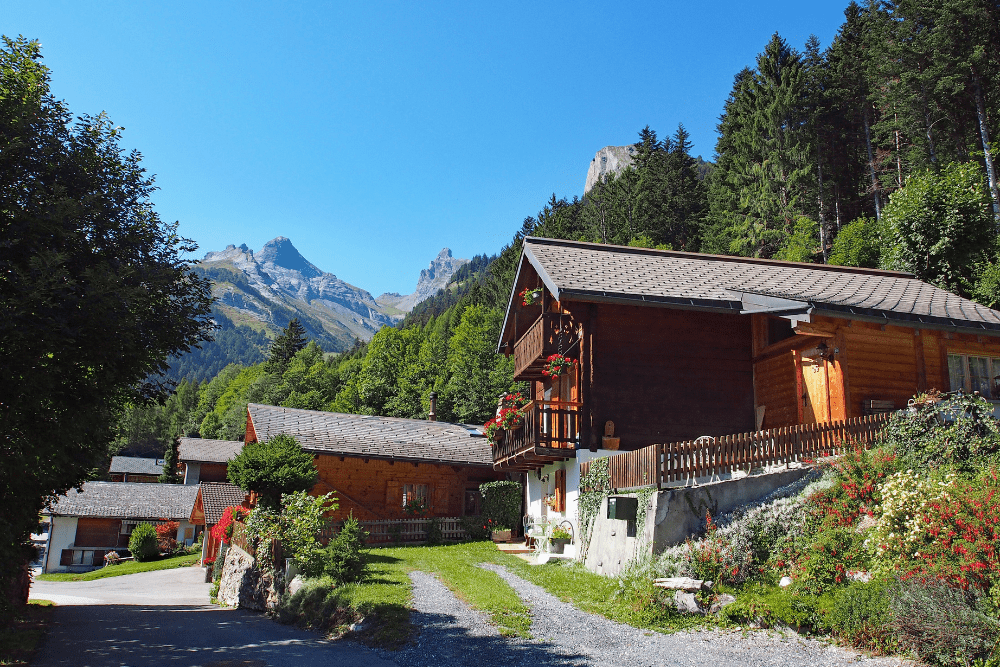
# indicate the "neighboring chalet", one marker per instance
pixel 377 465
pixel 87 524
pixel 135 469
pixel 672 346
pixel 212 499
pixel 206 460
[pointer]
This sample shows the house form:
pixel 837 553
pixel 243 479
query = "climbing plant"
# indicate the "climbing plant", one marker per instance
pixel 502 503
pixel 594 488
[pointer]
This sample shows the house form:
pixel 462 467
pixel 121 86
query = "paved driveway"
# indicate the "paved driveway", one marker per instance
pixel 164 618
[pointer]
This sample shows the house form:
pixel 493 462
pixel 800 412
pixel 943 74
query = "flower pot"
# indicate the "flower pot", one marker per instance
pixel 556 545
pixel 610 443
pixel 501 536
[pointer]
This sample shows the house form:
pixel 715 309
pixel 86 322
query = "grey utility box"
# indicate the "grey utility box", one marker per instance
pixel 623 508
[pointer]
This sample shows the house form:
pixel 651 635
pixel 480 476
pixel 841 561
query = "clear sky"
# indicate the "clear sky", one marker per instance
pixel 372 134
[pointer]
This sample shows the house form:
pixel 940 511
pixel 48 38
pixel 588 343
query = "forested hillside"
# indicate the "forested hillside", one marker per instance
pixel 873 151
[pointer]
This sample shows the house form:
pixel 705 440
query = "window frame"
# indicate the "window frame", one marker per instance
pixel 993 373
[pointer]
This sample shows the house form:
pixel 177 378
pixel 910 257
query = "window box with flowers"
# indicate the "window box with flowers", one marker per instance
pixel 510 418
pixel 531 296
pixel 556 365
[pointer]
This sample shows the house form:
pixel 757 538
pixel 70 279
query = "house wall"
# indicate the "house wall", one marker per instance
pixel 192 473
pixel 867 361
pixel 663 375
pixel 62 532
pixel 373 488
pixel 195 473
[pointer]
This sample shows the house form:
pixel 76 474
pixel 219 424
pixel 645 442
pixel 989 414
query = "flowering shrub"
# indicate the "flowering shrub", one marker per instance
pixel 556 365
pixel 531 296
pixel 859 475
pixel 208 562
pixel 899 528
pixel 416 507
pixel 510 418
pixel 166 535
pixel 827 560
pixel 715 558
pixel 223 531
pixel 946 429
pixel 491 430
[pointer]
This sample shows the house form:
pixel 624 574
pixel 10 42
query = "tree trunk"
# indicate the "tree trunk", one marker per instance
pixel 871 163
pixel 984 134
pixel 822 210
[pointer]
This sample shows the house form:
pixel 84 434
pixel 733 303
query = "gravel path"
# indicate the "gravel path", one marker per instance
pixel 452 634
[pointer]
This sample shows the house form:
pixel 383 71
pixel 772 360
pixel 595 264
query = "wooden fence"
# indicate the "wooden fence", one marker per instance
pixel 678 463
pixel 395 531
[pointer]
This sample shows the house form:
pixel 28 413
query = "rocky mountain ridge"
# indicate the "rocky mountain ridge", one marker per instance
pixel 432 279
pixel 610 160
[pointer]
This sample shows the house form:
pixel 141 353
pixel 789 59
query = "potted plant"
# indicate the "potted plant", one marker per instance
pixel 510 418
pixel 498 532
pixel 556 365
pixel 531 296
pixel 493 431
pixel 514 400
pixel 559 539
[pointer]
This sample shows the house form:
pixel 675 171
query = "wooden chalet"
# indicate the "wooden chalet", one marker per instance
pixel 377 465
pixel 135 469
pixel 672 346
pixel 206 460
pixel 211 501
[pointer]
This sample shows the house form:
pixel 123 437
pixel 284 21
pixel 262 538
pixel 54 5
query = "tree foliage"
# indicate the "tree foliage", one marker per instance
pixel 272 469
pixel 93 287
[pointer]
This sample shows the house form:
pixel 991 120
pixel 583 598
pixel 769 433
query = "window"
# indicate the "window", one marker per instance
pixel 971 373
pixel 413 493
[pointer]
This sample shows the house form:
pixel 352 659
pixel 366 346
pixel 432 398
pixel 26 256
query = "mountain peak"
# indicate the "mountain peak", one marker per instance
pixel 279 251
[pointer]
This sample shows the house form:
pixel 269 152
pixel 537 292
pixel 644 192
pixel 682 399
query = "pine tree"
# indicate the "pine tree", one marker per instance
pixel 285 346
pixel 170 473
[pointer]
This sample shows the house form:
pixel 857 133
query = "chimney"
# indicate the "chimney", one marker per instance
pixel 432 415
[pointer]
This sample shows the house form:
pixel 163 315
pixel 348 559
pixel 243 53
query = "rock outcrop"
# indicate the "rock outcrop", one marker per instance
pixel 436 276
pixel 609 160
pixel 244 585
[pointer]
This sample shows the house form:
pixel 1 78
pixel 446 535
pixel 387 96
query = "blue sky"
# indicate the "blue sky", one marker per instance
pixel 373 134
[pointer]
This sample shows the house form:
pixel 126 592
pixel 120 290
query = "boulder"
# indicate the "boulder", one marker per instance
pixel 683 584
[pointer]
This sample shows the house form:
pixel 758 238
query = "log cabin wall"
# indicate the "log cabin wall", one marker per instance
pixel 373 488
pixel 663 374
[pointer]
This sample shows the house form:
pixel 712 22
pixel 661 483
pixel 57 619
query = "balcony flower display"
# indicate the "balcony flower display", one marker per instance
pixel 514 400
pixel 491 430
pixel 556 365
pixel 510 418
pixel 531 296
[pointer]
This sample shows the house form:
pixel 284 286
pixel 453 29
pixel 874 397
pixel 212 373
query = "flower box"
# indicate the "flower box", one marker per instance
pixel 501 535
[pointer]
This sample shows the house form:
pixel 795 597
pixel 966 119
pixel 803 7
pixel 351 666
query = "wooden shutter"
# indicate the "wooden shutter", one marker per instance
pixel 97 532
pixel 66 557
pixel 560 491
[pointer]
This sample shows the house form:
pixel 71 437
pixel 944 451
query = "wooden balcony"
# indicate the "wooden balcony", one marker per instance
pixel 538 342
pixel 551 432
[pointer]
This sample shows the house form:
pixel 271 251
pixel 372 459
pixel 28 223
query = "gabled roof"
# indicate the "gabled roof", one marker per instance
pixel 203 450
pixel 216 497
pixel 135 465
pixel 603 273
pixel 375 437
pixel 128 501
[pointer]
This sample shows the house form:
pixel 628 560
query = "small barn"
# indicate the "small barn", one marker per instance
pixel 212 500
pixel 205 460
pixel 87 524
pixel 378 465
pixel 135 469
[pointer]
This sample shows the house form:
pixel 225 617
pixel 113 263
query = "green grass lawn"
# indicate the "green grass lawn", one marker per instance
pixel 385 596
pixel 125 568
pixel 19 641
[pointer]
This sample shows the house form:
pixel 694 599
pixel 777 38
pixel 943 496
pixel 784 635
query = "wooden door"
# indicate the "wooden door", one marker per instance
pixel 815 390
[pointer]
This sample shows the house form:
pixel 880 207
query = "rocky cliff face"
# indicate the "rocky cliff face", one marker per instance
pixel 609 160
pixel 278 280
pixel 433 278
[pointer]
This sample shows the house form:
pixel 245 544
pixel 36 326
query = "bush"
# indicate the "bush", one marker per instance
pixel 861 615
pixel 502 503
pixel 345 556
pixel 220 563
pixel 143 543
pixel 475 527
pixel 434 534
pixel 319 605
pixel 827 561
pixel 942 624
pixel 773 606
pixel 166 536
pixel 272 469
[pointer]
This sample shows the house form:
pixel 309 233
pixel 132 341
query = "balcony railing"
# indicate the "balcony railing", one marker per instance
pixel 538 342
pixel 551 432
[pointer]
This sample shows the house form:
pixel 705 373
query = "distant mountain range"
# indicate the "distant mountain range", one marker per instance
pixel 257 294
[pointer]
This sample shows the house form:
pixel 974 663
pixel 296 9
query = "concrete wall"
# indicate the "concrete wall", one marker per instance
pixel 192 473
pixel 675 514
pixel 62 534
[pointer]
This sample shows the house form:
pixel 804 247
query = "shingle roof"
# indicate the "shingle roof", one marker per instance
pixel 593 272
pixel 203 450
pixel 216 497
pixel 135 465
pixel 377 437
pixel 128 501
